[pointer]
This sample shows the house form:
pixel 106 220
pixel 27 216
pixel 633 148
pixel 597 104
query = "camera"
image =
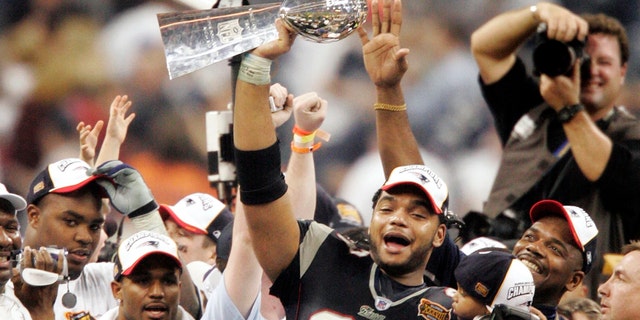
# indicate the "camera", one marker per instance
pixel 220 153
pixel 554 58
pixel 55 253
pixel 37 277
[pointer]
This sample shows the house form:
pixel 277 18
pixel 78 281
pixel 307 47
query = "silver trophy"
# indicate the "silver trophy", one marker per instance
pixel 198 38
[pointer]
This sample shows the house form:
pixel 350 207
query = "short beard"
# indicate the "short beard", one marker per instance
pixel 416 261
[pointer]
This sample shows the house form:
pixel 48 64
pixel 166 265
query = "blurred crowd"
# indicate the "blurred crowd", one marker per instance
pixel 62 61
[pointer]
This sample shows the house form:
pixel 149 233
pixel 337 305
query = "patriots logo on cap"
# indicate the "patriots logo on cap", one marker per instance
pixel 150 243
pixel 427 176
pixel 423 178
pixel 574 212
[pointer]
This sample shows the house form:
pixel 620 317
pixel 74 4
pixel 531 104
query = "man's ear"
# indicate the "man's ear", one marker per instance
pixel 575 281
pixel 116 290
pixel 438 240
pixel 33 215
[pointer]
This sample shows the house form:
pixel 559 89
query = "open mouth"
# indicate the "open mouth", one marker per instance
pixel 156 310
pixel 396 241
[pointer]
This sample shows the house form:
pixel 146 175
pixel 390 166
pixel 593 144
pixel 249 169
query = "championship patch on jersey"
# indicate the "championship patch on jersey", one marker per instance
pixel 83 315
pixel 432 311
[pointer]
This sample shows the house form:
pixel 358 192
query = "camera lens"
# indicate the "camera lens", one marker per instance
pixel 553 58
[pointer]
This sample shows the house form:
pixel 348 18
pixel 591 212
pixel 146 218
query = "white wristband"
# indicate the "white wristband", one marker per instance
pixel 151 222
pixel 255 70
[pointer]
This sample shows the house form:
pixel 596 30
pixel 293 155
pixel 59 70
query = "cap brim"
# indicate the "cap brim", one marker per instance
pixel 16 201
pixel 546 208
pixel 77 186
pixel 435 207
pixel 167 211
pixel 128 271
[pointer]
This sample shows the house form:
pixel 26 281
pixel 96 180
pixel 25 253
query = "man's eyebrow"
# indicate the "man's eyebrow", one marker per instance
pixel 551 239
pixel 420 202
pixel 386 197
pixel 79 216
pixel 424 203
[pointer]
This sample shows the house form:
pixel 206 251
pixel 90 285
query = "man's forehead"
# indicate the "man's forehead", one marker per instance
pixel 604 44
pixel 170 222
pixel 555 227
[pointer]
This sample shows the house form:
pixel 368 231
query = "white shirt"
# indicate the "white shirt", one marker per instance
pixel 92 289
pixel 220 306
pixel 10 306
pixel 205 277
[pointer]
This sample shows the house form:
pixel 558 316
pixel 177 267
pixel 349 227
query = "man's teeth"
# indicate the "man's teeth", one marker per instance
pixel 533 267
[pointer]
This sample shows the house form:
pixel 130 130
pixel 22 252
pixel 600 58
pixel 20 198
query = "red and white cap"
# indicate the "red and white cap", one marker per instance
pixel 60 177
pixel 583 229
pixel 199 213
pixel 424 178
pixel 140 245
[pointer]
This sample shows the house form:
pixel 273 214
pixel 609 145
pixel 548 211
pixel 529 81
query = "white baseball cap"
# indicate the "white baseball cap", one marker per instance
pixel 140 245
pixel 16 201
pixel 427 180
pixel 199 213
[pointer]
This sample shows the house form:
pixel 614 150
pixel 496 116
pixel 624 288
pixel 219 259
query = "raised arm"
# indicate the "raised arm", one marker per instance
pixel 309 111
pixel 494 44
pixel 263 190
pixel 116 129
pixel 131 196
pixel 242 275
pixel 591 148
pixel 386 64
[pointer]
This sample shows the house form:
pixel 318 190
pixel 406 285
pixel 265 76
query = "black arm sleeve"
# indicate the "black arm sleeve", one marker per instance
pixel 510 98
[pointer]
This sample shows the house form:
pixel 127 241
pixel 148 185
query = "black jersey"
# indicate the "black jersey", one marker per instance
pixel 331 278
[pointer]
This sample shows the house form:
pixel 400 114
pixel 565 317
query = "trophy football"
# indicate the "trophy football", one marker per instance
pixel 198 38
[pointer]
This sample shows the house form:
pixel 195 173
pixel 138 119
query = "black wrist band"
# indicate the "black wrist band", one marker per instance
pixel 567 113
pixel 259 176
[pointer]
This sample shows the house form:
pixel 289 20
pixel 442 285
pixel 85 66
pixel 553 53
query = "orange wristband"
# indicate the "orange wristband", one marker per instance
pixel 306 149
pixel 301 132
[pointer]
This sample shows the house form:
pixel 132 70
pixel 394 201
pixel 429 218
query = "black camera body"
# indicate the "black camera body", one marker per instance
pixel 554 58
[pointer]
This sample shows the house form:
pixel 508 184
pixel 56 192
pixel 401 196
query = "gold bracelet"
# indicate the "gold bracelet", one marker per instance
pixel 389 107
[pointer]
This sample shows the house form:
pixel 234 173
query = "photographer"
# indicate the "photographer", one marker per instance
pixel 564 138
